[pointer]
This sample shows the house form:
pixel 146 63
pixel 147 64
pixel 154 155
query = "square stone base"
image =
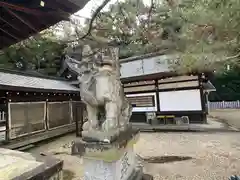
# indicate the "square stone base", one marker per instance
pixel 16 165
pixel 122 169
pixel 110 161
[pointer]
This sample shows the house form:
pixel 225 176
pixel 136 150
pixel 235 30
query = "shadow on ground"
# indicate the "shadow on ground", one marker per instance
pixel 68 175
pixel 165 159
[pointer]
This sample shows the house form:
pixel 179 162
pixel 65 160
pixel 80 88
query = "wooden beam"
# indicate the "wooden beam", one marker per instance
pixel 14 37
pixel 5 41
pixel 12 26
pixel 22 20
pixel 79 3
pixel 61 5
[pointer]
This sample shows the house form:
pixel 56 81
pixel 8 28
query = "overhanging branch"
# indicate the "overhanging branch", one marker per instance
pixel 150 13
pixel 94 17
pixel 233 57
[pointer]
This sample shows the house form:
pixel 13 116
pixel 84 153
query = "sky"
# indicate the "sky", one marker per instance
pixel 93 4
pixel 84 13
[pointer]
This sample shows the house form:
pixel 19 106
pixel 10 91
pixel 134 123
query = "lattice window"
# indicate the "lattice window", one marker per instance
pixel 142 101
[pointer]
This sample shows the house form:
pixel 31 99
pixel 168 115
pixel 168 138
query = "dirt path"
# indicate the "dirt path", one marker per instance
pixel 209 156
pixel 215 156
pixel 229 116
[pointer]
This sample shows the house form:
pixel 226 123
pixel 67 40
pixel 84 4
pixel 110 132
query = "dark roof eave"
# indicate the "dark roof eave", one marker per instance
pixel 23 73
pixel 145 56
pixel 15 20
pixel 155 76
pixel 209 87
pixel 15 81
pixel 27 89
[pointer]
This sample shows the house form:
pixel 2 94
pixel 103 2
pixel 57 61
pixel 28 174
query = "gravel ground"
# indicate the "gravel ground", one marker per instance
pixel 229 116
pixel 214 155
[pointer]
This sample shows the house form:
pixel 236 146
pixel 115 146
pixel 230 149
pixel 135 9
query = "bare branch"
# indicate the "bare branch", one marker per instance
pixel 125 14
pixel 94 17
pixel 233 57
pixel 150 13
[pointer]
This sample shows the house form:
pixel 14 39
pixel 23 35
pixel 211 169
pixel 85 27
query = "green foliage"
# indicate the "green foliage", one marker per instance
pixel 227 85
pixel 204 33
pixel 212 27
pixel 141 28
pixel 40 54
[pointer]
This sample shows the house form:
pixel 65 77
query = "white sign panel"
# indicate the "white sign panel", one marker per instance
pixel 130 69
pixel 185 100
pixel 146 66
pixel 144 109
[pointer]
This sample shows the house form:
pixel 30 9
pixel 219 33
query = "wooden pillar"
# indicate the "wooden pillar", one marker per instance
pixel 79 111
pixel 157 95
pixel 204 113
pixel 7 121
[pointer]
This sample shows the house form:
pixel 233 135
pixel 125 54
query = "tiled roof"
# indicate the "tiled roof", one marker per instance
pixel 15 80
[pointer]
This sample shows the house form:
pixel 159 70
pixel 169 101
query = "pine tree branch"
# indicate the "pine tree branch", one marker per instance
pixel 95 14
pixel 150 13
pixel 232 57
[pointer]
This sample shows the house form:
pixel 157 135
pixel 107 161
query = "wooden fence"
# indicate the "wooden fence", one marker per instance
pixel 225 105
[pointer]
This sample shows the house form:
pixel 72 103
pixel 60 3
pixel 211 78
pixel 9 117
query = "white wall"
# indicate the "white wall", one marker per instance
pixel 184 100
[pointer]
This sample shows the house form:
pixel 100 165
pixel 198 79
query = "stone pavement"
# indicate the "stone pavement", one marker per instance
pixel 212 126
pixel 214 155
pixel 228 116
pixel 16 165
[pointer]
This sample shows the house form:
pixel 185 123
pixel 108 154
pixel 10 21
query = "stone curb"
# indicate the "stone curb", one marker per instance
pixel 142 129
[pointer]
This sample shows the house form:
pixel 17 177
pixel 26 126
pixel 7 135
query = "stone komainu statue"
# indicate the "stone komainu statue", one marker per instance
pixel 101 90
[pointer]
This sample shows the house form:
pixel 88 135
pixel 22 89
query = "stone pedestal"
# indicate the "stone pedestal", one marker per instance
pixel 17 165
pixel 110 161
